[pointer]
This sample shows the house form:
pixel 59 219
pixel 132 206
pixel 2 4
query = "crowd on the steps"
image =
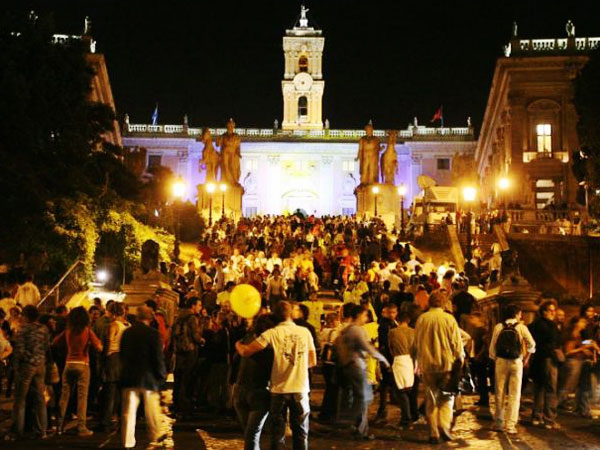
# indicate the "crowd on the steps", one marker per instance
pixel 405 329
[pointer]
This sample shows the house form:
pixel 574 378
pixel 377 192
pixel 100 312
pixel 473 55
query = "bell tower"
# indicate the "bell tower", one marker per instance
pixel 303 84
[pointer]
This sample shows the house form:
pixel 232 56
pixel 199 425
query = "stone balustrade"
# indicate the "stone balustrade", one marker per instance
pixel 582 44
pixel 64 38
pixel 420 132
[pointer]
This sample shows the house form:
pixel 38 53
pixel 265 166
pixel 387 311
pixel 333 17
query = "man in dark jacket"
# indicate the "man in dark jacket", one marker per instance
pixel 143 373
pixel 386 323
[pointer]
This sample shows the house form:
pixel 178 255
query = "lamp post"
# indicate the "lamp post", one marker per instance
pixel 178 193
pixel 375 190
pixel 503 185
pixel 469 195
pixel 402 193
pixel 210 188
pixel 223 188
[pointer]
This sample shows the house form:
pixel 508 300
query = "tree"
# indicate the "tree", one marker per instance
pixel 59 180
pixel 587 104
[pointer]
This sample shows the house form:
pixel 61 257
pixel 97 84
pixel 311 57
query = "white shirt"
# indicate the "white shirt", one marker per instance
pixel 291 344
pixel 28 294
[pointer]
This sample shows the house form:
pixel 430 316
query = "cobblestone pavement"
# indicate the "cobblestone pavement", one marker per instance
pixel 472 430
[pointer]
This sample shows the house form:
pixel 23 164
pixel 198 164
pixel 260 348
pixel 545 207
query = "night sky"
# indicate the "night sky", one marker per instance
pixel 385 61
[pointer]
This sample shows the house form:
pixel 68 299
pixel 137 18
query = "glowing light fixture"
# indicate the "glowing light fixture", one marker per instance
pixel 179 188
pixel 375 190
pixel 469 193
pixel 210 188
pixel 102 276
pixel 223 187
pixel 402 190
pixel 503 183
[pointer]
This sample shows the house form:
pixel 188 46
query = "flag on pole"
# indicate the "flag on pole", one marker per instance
pixel 439 114
pixel 155 116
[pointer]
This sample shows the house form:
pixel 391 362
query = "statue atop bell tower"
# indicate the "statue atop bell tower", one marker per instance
pixel 303 84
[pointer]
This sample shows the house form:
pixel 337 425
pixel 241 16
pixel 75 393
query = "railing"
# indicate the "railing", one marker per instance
pixel 56 287
pixel 344 134
pixel 65 38
pixel 552 45
pixel 518 216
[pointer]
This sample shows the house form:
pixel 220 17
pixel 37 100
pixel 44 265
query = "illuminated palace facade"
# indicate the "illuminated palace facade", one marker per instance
pixel 529 128
pixel 302 164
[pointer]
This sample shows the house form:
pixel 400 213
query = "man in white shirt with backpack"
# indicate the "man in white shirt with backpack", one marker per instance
pixel 511 347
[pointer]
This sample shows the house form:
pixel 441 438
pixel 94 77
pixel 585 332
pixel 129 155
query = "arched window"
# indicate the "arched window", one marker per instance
pixel 303 106
pixel 303 64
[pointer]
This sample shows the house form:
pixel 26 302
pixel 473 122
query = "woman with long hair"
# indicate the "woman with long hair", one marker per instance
pixel 77 337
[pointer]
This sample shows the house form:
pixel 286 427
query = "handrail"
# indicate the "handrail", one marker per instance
pixel 60 281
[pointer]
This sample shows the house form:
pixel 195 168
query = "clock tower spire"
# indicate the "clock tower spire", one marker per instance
pixel 303 83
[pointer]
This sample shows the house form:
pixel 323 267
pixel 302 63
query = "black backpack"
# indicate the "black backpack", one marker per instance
pixel 508 344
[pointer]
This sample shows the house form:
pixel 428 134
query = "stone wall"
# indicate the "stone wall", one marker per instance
pixel 559 265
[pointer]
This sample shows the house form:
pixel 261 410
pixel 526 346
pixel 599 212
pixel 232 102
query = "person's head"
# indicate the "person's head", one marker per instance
pixel 226 307
pixel 512 311
pixel 194 304
pixel 332 320
pixel 98 302
pixel 588 311
pixel 229 286
pixel 283 310
pixel 347 311
pixel 392 311
pixel 560 316
pixel 144 314
pixel 437 299
pixel 28 278
pixel 449 275
pixel 77 320
pixel 548 309
pixel 404 317
pixel 31 313
pixel 360 315
pixel 94 313
pixel 119 310
pixel 61 310
pixel 151 303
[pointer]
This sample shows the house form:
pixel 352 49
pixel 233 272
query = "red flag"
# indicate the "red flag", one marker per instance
pixel 438 115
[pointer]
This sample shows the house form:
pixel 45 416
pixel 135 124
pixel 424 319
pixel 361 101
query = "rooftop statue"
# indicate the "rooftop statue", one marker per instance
pixel 515 30
pixel 210 156
pixel 368 156
pixel 303 19
pixel 230 144
pixel 389 159
pixel 570 28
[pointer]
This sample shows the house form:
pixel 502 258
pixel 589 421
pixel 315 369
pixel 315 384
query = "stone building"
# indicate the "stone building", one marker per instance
pixel 303 164
pixel 529 129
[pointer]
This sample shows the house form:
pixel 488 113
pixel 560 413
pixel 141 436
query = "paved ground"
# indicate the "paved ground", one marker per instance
pixel 472 430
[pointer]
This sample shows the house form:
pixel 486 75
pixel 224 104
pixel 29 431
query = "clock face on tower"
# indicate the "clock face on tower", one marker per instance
pixel 303 81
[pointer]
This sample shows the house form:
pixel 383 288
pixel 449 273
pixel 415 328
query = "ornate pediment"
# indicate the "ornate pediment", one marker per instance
pixel 544 104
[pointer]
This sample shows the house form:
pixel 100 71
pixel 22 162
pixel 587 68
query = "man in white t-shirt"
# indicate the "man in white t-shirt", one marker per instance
pixel 28 293
pixel 294 353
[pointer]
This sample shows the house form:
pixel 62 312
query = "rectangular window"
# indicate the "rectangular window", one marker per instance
pixel 250 211
pixel 348 165
pixel 544 137
pixel 443 164
pixel 251 164
pixel 347 211
pixel 154 160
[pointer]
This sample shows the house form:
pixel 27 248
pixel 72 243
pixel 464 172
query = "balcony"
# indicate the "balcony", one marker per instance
pixel 531 156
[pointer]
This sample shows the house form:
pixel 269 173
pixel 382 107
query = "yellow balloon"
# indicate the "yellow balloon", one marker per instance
pixel 245 300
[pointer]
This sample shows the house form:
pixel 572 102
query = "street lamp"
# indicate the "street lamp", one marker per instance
pixel 402 193
pixel 469 195
pixel 504 185
pixel 210 188
pixel 179 188
pixel 375 190
pixel 223 187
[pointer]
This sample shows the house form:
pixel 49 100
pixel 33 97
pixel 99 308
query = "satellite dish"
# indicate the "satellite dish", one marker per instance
pixel 425 182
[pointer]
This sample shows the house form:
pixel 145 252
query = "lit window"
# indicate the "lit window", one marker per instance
pixel 303 106
pixel 544 137
pixel 443 164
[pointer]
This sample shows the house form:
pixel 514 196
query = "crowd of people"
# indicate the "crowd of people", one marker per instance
pixel 406 329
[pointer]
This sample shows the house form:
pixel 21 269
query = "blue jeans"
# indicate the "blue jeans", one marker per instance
pixel 362 393
pixel 28 376
pixel 299 407
pixel 252 409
